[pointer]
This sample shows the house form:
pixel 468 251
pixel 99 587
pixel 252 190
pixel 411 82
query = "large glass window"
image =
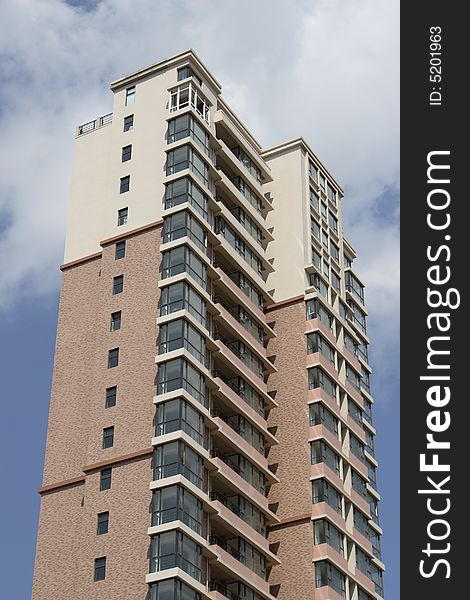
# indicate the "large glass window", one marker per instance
pixel 250 290
pixel 358 484
pixel 246 511
pixel 175 549
pixel 184 190
pixel 181 296
pixel 172 589
pixel 322 453
pixel 248 224
pixel 220 226
pixel 322 491
pixel 316 310
pixel 180 334
pixel 317 343
pixel 327 574
pixel 247 393
pixel 313 171
pixel 248 471
pixel 188 94
pixel 320 415
pixel 247 321
pixel 331 194
pixel 178 373
pixel 176 503
pixel 353 377
pixel 236 590
pixel 247 163
pixel 186 158
pixel 182 259
pixel 246 554
pixel 356 447
pixel 183 224
pixel 315 229
pixel 248 432
pixel 317 378
pixel 186 125
pixel 176 457
pixel 178 414
pixel 361 523
pixel 248 193
pixel 317 282
pixel 326 533
pixel 354 286
pixel 247 357
pixel 354 411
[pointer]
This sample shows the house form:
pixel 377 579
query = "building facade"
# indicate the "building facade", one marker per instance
pixel 210 431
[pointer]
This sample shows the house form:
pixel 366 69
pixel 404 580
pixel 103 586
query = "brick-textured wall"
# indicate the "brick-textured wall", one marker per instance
pixel 293 496
pixel 67 540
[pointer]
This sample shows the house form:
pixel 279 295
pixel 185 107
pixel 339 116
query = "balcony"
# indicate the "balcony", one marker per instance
pixel 95 124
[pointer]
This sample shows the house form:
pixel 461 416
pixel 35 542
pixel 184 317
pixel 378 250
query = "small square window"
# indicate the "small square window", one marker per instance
pixel 116 320
pixel 113 358
pixel 111 395
pixel 103 523
pixel 125 184
pixel 100 569
pixel 118 284
pixel 105 479
pixel 130 95
pixel 126 153
pixel 123 213
pixel 129 123
pixel 120 250
pixel 108 437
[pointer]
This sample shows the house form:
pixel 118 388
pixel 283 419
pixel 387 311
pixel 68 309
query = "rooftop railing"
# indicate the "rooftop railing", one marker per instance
pixel 95 124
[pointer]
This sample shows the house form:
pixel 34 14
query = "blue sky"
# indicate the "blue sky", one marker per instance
pixel 324 69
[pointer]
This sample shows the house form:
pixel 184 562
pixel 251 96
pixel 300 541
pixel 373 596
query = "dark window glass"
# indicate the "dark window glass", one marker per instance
pixel 103 523
pixel 100 569
pixel 113 358
pixel 108 437
pixel 126 153
pixel 105 479
pixel 116 321
pixel 123 213
pixel 111 394
pixel 118 284
pixel 128 123
pixel 125 183
pixel 120 250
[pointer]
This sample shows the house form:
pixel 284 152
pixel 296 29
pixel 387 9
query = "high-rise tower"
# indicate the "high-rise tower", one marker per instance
pixel 210 431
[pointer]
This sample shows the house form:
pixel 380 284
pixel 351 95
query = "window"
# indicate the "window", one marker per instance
pixel 356 447
pixel 326 533
pixel 334 251
pixel 178 458
pixel 176 503
pixel 122 216
pixel 315 228
pixel 184 190
pixel 313 171
pixel 186 125
pixel 182 224
pixel 125 183
pixel 100 569
pixel 128 123
pixel 108 437
pixel 317 282
pixel 331 194
pixel 181 296
pixel 315 310
pixel 326 268
pixel 361 522
pixel 316 259
pixel 317 343
pixel 357 317
pixel 320 415
pixel 188 94
pixel 354 286
pixel 322 453
pixel 120 251
pixel 175 549
pixel 105 479
pixel 322 181
pixel 172 589
pixel 118 284
pixel 327 574
pixel 116 320
pixel 354 411
pixel 178 373
pixel 186 158
pixel 335 281
pixel 126 153
pixel 130 95
pixel 322 491
pixel 323 211
pixel 317 378
pixel 113 358
pixel 111 395
pixel 352 377
pixel 178 414
pixel 358 484
pixel 182 259
pixel 314 200
pixel 180 334
pixel 103 523
pixel 347 261
pixel 186 72
pixel 333 222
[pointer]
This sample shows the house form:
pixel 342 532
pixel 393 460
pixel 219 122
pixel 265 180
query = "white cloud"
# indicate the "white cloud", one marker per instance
pixel 324 69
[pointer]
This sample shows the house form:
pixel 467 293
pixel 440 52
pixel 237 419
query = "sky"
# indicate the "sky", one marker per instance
pixel 324 69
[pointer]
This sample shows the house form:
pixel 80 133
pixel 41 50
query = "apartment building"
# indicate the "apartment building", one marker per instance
pixel 210 432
